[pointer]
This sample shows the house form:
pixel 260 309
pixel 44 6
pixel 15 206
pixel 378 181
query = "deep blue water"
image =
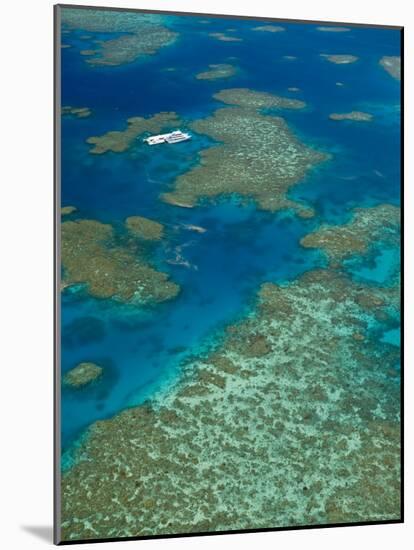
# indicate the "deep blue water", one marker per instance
pixel 141 349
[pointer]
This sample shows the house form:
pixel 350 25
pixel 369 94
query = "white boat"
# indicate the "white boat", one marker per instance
pixel 177 136
pixel 172 137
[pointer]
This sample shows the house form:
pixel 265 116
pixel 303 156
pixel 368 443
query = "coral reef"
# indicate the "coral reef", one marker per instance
pixel 143 34
pixel 91 255
pixel 120 141
pixel 196 228
pixel 257 155
pixel 78 112
pixel 290 421
pixel 217 71
pixel 367 227
pixel 269 28
pixel 105 21
pixel 332 29
pixel 357 116
pixel 126 49
pixel 144 228
pixel 288 416
pixel 340 59
pixel 66 210
pixel 224 37
pixel 392 64
pixel 82 375
pixel 243 97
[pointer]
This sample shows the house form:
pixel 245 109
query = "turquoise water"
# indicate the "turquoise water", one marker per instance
pixel 141 349
pixel 392 336
pixel 380 267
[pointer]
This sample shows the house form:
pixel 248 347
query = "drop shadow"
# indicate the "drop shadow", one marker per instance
pixel 43 532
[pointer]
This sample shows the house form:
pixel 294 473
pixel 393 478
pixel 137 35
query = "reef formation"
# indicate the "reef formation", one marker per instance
pixel 269 28
pixel 392 64
pixel 67 210
pixel 224 37
pixel 217 71
pixel 332 29
pixel 78 112
pixel 293 419
pixel 88 52
pixel 119 141
pixel 368 226
pixel 142 34
pixel 340 59
pixel 256 155
pixel 82 375
pixel 289 416
pixel 144 228
pixel 95 256
pixel 358 116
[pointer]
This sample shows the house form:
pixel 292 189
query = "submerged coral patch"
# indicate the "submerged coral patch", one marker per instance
pixel 120 140
pixel 269 28
pixel 144 228
pixel 392 64
pixel 257 155
pixel 224 37
pixel 217 71
pixel 128 48
pixel 367 227
pixel 91 255
pixel 340 59
pixel 332 29
pixel 289 399
pixel 78 112
pixel 142 34
pixel 66 210
pixel 243 97
pixel 105 21
pixel 88 52
pixel 358 116
pixel 82 375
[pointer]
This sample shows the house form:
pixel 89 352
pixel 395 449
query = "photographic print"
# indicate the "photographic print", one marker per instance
pixel 228 274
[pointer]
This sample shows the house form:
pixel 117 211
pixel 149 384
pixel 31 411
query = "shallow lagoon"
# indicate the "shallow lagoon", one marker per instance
pixel 239 250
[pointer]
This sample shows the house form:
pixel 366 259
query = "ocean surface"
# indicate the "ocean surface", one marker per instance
pixel 141 349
